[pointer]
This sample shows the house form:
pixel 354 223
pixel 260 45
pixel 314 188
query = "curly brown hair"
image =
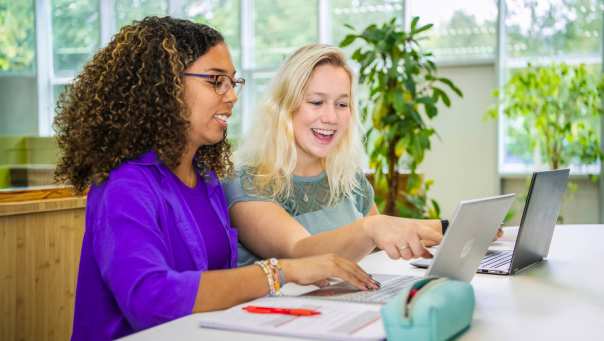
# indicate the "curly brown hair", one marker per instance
pixel 129 99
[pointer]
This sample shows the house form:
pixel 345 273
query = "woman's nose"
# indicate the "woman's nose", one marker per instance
pixel 231 96
pixel 329 115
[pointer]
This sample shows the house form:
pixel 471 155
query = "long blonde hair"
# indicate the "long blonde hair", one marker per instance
pixel 268 150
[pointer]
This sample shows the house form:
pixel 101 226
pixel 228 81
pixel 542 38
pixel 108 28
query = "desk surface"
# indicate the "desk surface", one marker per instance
pixel 561 298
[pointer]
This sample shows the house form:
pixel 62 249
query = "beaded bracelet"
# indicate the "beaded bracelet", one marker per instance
pixel 274 275
pixel 279 276
pixel 269 276
pixel 280 272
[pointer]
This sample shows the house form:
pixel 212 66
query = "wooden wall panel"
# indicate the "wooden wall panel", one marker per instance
pixel 40 249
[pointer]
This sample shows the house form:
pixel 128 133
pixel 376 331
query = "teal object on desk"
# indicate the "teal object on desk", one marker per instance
pixel 431 309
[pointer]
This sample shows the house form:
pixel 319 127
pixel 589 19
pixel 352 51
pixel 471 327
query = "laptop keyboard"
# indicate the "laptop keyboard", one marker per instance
pixel 390 288
pixel 496 259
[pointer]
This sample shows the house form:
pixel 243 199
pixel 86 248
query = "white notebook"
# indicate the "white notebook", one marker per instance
pixel 337 321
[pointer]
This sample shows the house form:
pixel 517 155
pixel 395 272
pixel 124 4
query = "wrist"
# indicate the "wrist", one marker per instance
pixel 367 227
pixel 286 267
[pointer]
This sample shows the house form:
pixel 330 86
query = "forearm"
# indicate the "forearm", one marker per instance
pixel 350 241
pixel 220 289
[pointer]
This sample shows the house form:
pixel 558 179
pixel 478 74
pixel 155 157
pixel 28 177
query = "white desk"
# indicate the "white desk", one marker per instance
pixel 559 299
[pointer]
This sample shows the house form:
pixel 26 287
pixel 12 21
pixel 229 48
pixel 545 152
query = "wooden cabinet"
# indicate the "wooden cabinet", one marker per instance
pixel 40 242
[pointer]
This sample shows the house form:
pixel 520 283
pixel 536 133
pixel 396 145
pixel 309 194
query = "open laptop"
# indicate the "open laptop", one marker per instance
pixel 474 224
pixel 536 226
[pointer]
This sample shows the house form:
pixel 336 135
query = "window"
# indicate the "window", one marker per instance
pixel 261 33
pixel 129 10
pixel 360 14
pixel 280 27
pixel 18 115
pixel 75 35
pixel 17 37
pixel 540 33
pixel 554 28
pixel 463 30
pixel 223 15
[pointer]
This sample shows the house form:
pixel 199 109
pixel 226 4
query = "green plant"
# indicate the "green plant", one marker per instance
pixel 404 91
pixel 557 108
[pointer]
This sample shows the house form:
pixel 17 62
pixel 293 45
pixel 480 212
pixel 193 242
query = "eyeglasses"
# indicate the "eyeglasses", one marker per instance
pixel 222 83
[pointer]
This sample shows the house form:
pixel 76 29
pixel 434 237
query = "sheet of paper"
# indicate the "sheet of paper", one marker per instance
pixel 337 321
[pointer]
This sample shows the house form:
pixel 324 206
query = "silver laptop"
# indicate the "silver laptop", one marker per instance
pixel 536 226
pixel 474 224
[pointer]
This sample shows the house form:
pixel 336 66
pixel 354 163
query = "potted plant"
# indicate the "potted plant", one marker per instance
pixel 404 91
pixel 558 109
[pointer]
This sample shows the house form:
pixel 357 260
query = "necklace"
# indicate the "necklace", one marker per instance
pixel 302 190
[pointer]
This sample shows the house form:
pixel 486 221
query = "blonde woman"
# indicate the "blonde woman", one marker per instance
pixel 299 188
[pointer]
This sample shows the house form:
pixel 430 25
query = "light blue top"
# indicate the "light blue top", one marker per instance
pixel 308 203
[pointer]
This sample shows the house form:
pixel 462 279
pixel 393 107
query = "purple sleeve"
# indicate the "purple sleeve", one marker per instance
pixel 133 256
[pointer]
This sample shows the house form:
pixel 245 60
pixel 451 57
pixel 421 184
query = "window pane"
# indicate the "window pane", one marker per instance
pixel 461 29
pixel 17 44
pixel 259 86
pixel 75 33
pixel 281 27
pixel 360 14
pixel 554 27
pixel 57 90
pixel 130 10
pixel 256 89
pixel 223 15
pixel 519 154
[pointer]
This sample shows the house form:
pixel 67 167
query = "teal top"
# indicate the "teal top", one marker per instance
pixel 308 203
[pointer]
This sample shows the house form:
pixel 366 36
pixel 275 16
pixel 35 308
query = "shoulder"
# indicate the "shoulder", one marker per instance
pixel 130 183
pixel 241 186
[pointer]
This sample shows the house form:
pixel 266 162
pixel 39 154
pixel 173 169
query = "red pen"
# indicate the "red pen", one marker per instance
pixel 285 311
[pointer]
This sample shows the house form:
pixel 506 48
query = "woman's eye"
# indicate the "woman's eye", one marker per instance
pixel 342 105
pixel 219 81
pixel 315 103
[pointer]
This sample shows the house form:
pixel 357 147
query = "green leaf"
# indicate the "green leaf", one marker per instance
pixel 431 110
pixel 451 86
pixel 423 28
pixel 399 101
pixel 440 93
pixel 348 40
pixel 414 23
pixel 399 149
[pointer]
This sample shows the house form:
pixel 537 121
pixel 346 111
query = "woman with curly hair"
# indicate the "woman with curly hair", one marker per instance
pixel 143 128
pixel 299 188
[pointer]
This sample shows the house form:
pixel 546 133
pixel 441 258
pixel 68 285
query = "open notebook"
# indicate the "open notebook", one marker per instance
pixel 337 321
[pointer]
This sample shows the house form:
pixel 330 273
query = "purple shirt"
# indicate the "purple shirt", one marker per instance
pixel 144 252
pixel 216 240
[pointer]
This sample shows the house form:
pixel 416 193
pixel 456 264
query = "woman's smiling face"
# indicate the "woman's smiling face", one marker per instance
pixel 209 111
pixel 324 114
